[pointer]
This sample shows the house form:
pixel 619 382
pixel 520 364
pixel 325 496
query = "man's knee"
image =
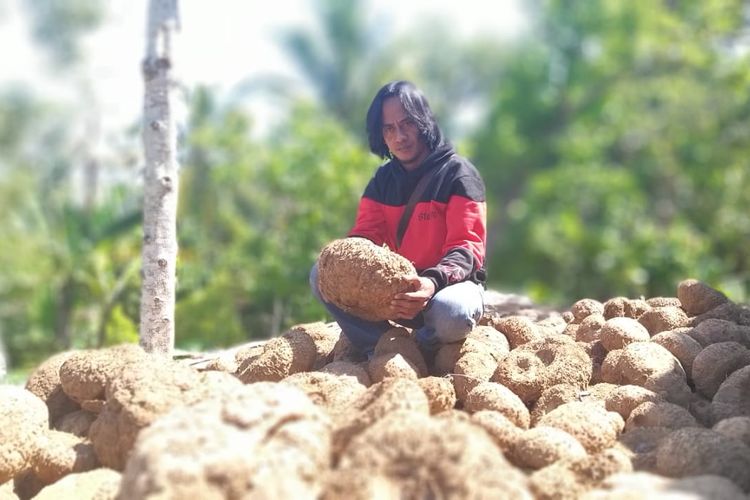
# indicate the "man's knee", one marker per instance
pixel 455 311
pixel 313 280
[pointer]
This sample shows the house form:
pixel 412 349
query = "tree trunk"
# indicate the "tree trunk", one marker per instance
pixel 159 254
pixel 3 358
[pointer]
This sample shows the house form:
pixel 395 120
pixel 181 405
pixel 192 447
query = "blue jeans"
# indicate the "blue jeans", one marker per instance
pixel 449 317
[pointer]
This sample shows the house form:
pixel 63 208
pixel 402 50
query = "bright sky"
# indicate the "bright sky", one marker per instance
pixel 221 43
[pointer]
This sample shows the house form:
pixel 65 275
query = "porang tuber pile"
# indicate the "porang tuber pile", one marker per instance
pixel 623 398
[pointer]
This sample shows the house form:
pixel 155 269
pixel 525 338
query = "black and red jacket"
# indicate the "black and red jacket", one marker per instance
pixel 446 235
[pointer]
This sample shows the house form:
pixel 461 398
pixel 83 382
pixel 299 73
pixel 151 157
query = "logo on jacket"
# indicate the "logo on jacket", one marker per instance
pixel 425 216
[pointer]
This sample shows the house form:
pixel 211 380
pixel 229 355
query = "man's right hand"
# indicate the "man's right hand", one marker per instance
pixel 408 304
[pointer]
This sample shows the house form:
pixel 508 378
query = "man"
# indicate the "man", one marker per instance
pixel 445 235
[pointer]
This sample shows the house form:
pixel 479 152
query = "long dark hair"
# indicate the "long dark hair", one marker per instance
pixel 417 108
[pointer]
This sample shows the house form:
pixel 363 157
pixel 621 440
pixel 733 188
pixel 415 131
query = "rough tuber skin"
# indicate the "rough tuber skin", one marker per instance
pixel 563 407
pixel 361 278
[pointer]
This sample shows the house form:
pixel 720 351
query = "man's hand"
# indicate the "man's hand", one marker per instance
pixel 409 304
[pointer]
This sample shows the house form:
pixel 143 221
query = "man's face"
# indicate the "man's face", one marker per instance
pixel 401 135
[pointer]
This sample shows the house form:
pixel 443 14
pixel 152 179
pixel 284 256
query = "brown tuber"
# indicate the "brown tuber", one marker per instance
pixel 533 367
pixel 440 393
pixel 399 341
pixel 333 393
pixel 618 332
pixel 592 425
pixel 713 331
pixel 488 340
pixel 692 451
pixel 44 381
pixel 681 345
pixel 554 396
pixel 641 445
pixel 517 329
pixel 637 485
pixel 470 370
pixel 541 446
pixel 571 479
pixel 361 278
pixel 263 440
pixel 737 428
pixel 140 395
pixel 60 454
pixel 583 308
pixel 391 365
pixel 95 484
pixel 444 459
pixel 302 348
pixel 446 357
pixel 496 397
pixel 85 374
pixel 697 297
pixel 659 414
pixel 614 307
pixel 590 329
pixel 664 302
pixel 356 370
pixel 23 422
pixel 733 397
pixel 392 394
pixel 651 366
pixel 661 319
pixel 625 398
pixel 715 363
pixel 502 431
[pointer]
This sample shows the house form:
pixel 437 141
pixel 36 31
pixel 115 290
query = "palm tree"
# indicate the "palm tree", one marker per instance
pixel 340 60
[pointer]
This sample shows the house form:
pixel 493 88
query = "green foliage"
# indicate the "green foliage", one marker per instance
pixel 64 265
pixel 254 216
pixel 613 140
pixel 68 269
pixel 608 145
pixel 588 227
pixel 120 329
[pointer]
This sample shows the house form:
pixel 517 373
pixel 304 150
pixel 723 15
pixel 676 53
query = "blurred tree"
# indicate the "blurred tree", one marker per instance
pixel 307 193
pixel 20 114
pixel 59 24
pixel 62 266
pixel 60 28
pixel 341 59
pixel 214 270
pixel 611 139
pixel 69 260
pixel 458 76
pixel 350 56
pixel 252 221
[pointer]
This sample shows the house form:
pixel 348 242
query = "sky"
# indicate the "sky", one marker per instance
pixel 221 43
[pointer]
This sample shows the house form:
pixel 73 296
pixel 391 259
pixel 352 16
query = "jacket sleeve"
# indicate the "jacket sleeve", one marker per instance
pixel 465 242
pixel 370 222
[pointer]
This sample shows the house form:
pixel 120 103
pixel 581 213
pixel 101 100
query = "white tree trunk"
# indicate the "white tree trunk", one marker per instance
pixel 159 252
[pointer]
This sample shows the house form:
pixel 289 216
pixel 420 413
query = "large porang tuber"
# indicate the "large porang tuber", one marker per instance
pixel 361 278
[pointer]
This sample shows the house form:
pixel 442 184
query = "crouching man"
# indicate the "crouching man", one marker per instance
pixel 426 203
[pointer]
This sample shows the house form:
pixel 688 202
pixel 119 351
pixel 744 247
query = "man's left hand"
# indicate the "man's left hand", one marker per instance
pixel 408 304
